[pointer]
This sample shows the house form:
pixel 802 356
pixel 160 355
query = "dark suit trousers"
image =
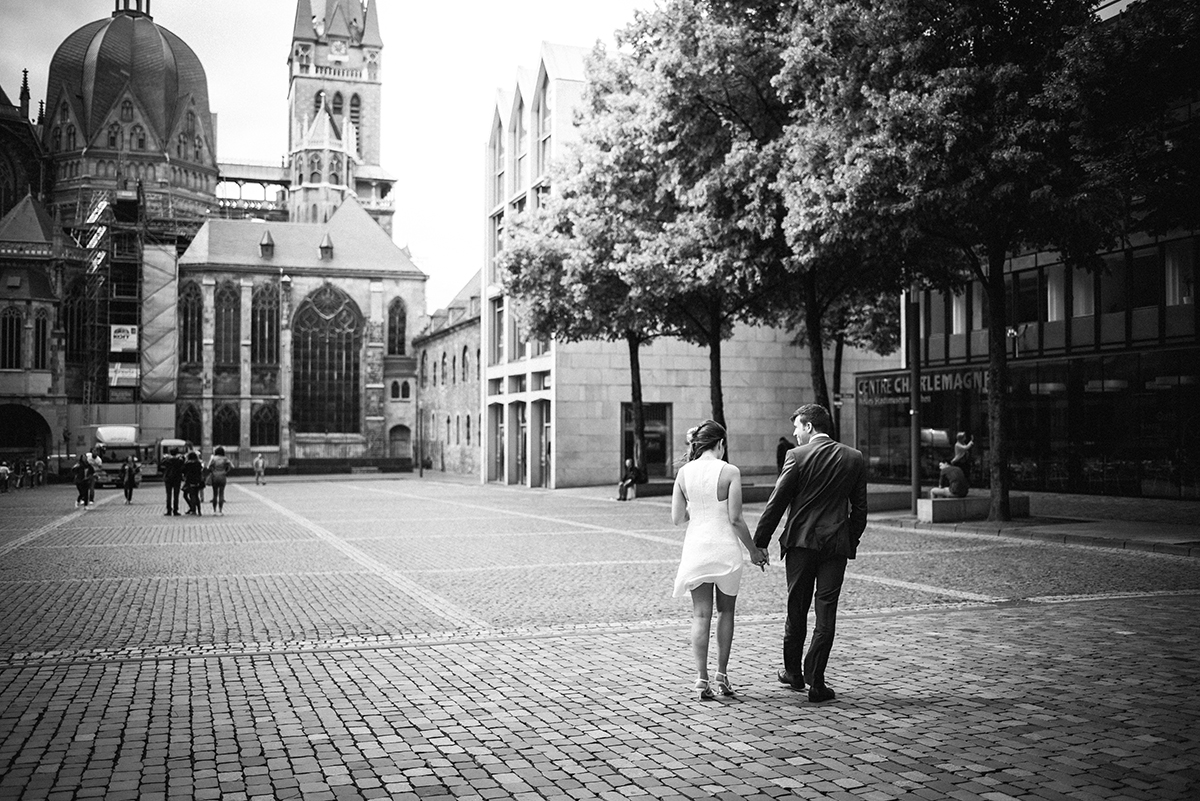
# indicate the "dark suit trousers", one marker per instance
pixel 811 574
pixel 173 496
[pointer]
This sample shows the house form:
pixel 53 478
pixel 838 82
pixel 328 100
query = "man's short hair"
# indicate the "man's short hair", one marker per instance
pixel 816 414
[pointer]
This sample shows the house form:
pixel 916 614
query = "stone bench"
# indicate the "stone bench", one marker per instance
pixel 972 507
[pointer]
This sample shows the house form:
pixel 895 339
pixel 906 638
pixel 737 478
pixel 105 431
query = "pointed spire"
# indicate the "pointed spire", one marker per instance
pixel 371 37
pixel 41 120
pixel 335 25
pixel 24 94
pixel 303 27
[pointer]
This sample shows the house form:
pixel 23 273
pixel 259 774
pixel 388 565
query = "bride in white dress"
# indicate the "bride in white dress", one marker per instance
pixel 708 496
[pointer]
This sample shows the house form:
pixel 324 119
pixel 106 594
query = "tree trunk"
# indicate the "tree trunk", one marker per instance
pixel 997 396
pixel 838 350
pixel 635 384
pixel 816 348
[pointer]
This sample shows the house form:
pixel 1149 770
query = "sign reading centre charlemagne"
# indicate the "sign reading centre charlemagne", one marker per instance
pixel 886 389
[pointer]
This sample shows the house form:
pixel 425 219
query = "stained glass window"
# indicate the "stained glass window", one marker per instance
pixel 326 363
pixel 264 324
pixel 397 322
pixel 191 318
pixel 187 423
pixel 227 425
pixel 264 425
pixel 228 334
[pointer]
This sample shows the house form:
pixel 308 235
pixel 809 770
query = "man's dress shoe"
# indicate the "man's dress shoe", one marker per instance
pixel 791 679
pixel 818 694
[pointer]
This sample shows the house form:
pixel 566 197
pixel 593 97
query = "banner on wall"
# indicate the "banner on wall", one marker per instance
pixel 124 375
pixel 123 338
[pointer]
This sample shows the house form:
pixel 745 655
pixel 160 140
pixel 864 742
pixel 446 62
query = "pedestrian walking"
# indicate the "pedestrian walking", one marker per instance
pixel 193 480
pixel 708 497
pixel 97 465
pixel 823 489
pixel 82 473
pixel 218 472
pixel 39 473
pixel 171 468
pixel 259 469
pixel 131 476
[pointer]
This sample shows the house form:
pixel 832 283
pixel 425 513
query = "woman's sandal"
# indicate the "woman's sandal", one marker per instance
pixel 724 686
pixel 703 693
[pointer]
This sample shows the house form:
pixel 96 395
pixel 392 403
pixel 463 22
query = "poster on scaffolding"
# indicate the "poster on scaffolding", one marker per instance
pixel 123 339
pixel 124 375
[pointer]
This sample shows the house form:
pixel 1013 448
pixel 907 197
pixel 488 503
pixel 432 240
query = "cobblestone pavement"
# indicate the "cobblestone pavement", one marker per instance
pixel 428 639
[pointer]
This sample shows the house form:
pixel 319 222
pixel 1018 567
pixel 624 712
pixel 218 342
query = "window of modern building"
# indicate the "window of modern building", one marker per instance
pixel 496 152
pixel 520 148
pixel 1083 293
pixel 979 307
pixel 227 425
pixel 405 391
pixel 264 325
pixel 495 245
pixel 264 424
pixel 397 328
pixel 11 326
pixel 1180 272
pixel 544 126
pixel 958 313
pixel 41 340
pixel 187 423
pixel 1026 298
pixel 1114 297
pixel 497 324
pixel 327 335
pixel 937 314
pixel 227 336
pixel 1056 293
pixel 191 321
pixel 1146 288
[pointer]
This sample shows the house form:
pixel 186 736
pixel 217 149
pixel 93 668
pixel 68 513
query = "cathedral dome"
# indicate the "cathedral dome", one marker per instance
pixel 128 54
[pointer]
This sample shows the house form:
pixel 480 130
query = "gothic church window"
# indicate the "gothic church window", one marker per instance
pixel 181 145
pixel 356 118
pixel 264 425
pixel 75 320
pixel 191 316
pixel 337 104
pixel 318 101
pixel 126 111
pixel 187 423
pixel 197 149
pixel 405 391
pixel 264 325
pixel 464 365
pixel 190 125
pixel 63 114
pixel 56 139
pixel 41 340
pixel 114 136
pixel 137 138
pixel 228 334
pixel 10 338
pixel 70 137
pixel 395 390
pixel 227 425
pixel 424 369
pixel 327 336
pixel 396 330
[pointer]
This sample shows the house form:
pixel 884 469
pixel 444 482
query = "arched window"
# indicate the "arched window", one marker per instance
pixel 453 369
pixel 335 178
pixel 264 424
pixel 435 372
pixel 227 425
pixel 314 178
pixel 114 135
pixel 447 429
pixel 11 325
pixel 405 391
pixel 41 340
pixel 468 429
pixel 187 423
pixel 197 149
pixel 191 319
pixel 137 138
pixel 457 430
pixel 356 118
pixel 227 337
pixel 75 321
pixel 337 104
pixel 181 145
pixel 190 124
pixel 326 359
pixel 424 369
pixel 477 364
pixel 464 364
pixel 395 390
pixel 264 325
pixel 443 368
pixel 318 100
pixel 397 327
pixel 56 139
pixel 126 111
pixel 70 137
pixel 63 114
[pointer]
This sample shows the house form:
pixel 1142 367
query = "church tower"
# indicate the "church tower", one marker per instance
pixel 334 104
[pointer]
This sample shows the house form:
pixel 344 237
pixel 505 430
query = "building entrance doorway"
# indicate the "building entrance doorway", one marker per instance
pixel 656 459
pixel 24 434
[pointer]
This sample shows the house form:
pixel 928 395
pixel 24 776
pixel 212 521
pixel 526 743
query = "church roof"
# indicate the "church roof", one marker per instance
pixel 28 221
pixel 4 101
pixel 24 283
pixel 359 245
pixel 371 37
pixel 303 26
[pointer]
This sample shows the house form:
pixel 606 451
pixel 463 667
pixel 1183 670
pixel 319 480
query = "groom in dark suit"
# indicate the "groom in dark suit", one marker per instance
pixel 823 489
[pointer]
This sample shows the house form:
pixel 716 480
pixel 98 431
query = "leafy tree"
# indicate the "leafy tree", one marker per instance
pixel 927 124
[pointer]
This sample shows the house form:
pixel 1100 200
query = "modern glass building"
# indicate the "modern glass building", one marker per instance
pixel 1105 377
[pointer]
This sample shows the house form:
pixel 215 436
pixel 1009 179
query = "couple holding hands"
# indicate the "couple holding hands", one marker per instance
pixel 823 490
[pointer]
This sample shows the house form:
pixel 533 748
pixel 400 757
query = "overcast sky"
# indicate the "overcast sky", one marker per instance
pixel 442 65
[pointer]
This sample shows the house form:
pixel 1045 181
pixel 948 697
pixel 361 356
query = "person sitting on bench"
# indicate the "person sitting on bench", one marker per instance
pixel 951 484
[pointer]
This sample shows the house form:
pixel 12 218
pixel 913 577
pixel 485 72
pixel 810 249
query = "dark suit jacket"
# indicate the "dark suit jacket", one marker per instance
pixel 823 489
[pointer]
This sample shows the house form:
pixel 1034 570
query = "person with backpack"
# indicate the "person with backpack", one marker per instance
pixel 83 473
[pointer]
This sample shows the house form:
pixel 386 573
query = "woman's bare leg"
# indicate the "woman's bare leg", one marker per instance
pixel 702 611
pixel 725 604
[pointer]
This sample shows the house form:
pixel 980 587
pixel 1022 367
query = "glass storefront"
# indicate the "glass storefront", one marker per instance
pixel 1123 424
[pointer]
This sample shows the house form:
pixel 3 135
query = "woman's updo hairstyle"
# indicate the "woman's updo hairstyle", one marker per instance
pixel 703 437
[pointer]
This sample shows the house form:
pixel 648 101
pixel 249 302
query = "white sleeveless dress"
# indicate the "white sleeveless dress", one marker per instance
pixel 711 549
